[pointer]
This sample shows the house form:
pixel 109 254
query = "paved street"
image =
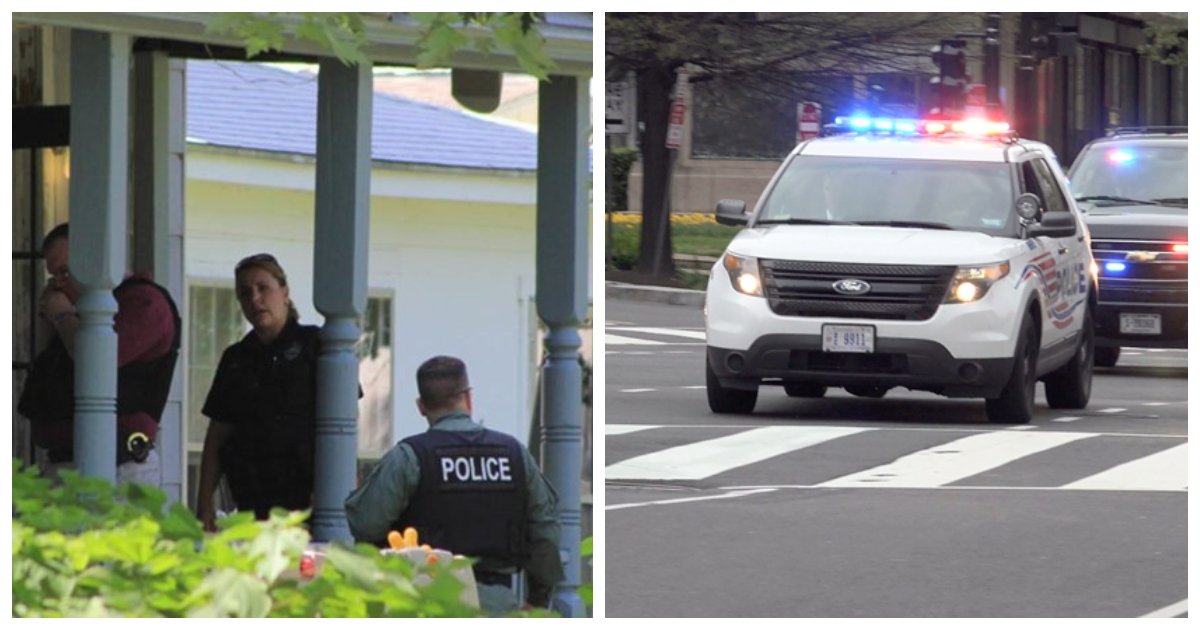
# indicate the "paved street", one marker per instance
pixel 910 505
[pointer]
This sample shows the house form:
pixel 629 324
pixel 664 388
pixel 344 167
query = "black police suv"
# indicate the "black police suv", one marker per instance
pixel 1132 184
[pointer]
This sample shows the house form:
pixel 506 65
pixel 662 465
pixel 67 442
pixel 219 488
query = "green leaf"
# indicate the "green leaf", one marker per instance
pixel 585 547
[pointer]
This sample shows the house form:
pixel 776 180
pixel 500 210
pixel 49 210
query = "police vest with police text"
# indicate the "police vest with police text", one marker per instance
pixel 472 496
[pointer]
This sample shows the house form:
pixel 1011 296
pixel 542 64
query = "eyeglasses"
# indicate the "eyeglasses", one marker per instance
pixel 256 258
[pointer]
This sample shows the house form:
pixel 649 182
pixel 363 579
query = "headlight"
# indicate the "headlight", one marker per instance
pixel 743 273
pixel 971 283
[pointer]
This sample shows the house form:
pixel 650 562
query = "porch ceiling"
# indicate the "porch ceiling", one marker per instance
pixel 392 37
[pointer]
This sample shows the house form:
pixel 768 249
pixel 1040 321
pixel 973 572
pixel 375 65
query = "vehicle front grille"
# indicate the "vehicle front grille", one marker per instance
pixel 1153 273
pixel 905 292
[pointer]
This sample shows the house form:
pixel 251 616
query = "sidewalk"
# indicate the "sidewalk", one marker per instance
pixel 650 293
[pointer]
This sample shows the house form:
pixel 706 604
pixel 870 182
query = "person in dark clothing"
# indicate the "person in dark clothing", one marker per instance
pixel 466 489
pixel 148 336
pixel 262 404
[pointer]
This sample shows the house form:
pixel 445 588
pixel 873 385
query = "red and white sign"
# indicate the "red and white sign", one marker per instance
pixel 678 109
pixel 808 121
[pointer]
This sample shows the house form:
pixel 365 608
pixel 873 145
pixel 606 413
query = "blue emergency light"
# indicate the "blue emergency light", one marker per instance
pixel 1114 266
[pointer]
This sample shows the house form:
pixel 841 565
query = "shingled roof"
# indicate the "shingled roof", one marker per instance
pixel 264 108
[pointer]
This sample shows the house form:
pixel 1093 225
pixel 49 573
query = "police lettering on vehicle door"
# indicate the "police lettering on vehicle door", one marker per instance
pixel 475 468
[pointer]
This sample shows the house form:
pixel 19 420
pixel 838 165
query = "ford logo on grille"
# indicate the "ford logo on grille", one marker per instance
pixel 850 286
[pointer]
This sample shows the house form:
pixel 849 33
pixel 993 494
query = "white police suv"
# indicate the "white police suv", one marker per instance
pixel 933 255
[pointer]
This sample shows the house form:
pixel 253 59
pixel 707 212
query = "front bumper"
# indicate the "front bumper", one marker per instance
pixel 916 364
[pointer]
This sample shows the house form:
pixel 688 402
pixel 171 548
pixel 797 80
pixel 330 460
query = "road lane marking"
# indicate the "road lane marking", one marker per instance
pixel 784 486
pixel 699 460
pixel 958 459
pixel 636 391
pixel 622 429
pixel 670 332
pixel 1112 410
pixel 946 429
pixel 1164 470
pixel 1155 404
pixel 728 495
pixel 1174 610
pixel 1066 419
pixel 694 387
pixel 617 340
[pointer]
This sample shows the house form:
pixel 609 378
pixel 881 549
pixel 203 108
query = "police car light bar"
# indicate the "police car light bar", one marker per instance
pixel 912 127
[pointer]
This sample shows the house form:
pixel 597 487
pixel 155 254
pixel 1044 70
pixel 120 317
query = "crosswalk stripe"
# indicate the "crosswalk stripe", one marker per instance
pixel 622 429
pixel 958 459
pixel 710 457
pixel 1164 470
pixel 617 340
pixel 670 332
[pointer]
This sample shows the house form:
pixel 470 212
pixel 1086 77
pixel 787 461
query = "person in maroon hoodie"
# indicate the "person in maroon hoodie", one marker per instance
pixel 148 331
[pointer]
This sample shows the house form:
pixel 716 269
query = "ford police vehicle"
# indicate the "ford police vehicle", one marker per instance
pixel 932 255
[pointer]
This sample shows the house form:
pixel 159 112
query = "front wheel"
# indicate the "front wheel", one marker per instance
pixel 724 399
pixel 1070 387
pixel 1015 404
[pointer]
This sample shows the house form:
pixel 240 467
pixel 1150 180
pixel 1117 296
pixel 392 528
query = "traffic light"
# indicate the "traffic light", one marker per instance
pixel 950 56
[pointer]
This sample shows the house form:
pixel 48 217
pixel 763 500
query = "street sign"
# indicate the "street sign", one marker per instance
pixel 678 109
pixel 808 121
pixel 618 96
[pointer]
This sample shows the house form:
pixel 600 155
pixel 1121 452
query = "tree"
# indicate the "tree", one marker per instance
pixel 344 34
pixel 762 51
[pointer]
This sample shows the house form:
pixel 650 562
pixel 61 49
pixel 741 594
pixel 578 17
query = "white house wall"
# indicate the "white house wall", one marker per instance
pixel 460 273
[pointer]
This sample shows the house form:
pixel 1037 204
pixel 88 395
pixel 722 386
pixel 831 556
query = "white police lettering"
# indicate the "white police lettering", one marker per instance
pixel 470 469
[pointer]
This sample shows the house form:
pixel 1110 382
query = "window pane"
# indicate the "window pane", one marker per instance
pixel 375 377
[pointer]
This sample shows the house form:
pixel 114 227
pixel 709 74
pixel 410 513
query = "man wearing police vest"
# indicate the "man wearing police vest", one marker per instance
pixel 467 489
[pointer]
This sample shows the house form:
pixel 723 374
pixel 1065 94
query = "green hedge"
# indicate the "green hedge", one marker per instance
pixel 621 162
pixel 85 548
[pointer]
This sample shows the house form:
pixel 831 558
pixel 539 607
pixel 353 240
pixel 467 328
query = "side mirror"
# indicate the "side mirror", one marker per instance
pixel 1054 225
pixel 732 212
pixel 1027 206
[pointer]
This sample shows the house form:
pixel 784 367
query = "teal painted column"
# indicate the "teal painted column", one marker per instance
pixel 99 167
pixel 343 198
pixel 562 268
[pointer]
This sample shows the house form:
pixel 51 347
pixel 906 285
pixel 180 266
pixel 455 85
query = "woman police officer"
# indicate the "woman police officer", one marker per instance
pixel 262 402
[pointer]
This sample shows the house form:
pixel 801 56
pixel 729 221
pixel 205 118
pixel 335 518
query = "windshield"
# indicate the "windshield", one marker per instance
pixel 1121 175
pixel 976 196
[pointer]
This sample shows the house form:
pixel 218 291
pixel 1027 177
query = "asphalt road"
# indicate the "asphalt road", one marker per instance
pixel 907 506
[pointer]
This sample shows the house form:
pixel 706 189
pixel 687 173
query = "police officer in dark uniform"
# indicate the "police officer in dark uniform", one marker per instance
pixel 262 405
pixel 467 489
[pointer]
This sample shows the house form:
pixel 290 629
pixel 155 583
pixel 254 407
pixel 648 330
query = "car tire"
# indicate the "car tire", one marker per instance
pixel 804 390
pixel 1107 357
pixel 1015 403
pixel 725 399
pixel 1070 387
pixel 867 391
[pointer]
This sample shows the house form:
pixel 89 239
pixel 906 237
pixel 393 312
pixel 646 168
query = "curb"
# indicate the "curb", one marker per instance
pixel 661 295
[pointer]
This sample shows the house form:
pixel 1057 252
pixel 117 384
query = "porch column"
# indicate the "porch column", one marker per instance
pixel 562 267
pixel 99 167
pixel 157 193
pixel 343 195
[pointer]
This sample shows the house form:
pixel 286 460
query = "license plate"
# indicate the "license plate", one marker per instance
pixel 847 338
pixel 1141 324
